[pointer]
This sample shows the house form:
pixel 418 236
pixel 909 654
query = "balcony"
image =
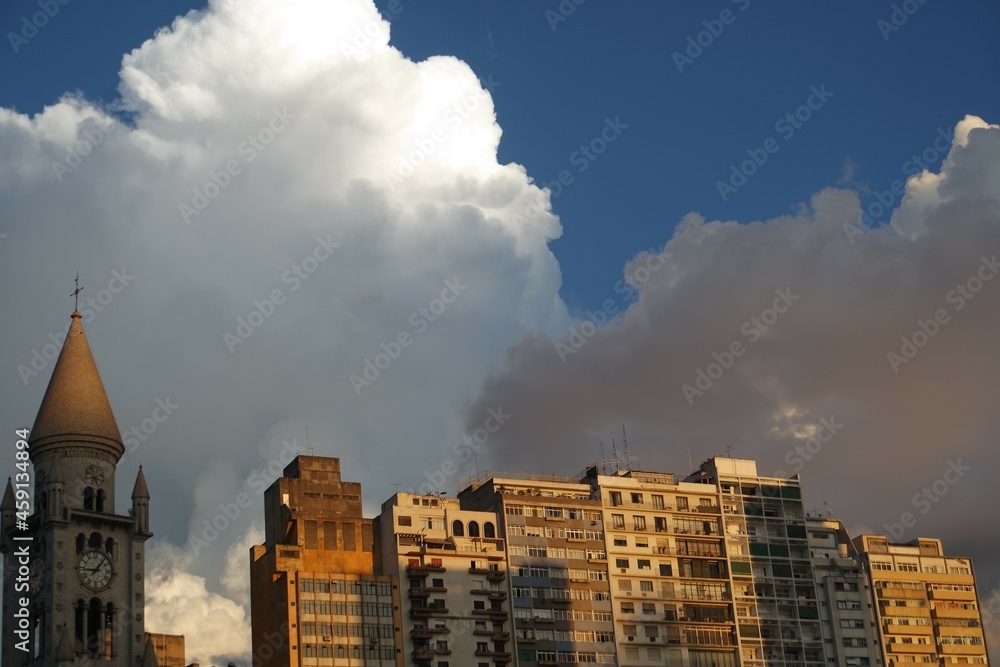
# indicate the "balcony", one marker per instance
pixel 426 612
pixel 499 657
pixel 495 614
pixel 479 570
pixel 425 591
pixel 496 576
pixel 427 633
pixel 498 596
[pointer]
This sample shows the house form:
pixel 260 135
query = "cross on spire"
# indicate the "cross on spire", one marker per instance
pixel 76 293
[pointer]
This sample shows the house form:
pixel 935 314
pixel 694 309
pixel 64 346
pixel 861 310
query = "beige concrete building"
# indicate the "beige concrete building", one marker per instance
pixel 667 565
pixel 314 597
pixel 771 576
pixel 847 620
pixel 557 563
pixel 926 604
pixel 453 572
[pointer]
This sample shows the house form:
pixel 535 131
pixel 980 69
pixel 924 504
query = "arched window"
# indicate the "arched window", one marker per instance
pixel 473 529
pixel 100 500
pixel 95 627
pixel 81 542
pixel 79 608
pixel 489 530
pixel 109 547
pixel 95 540
pixel 457 529
pixel 88 498
pixel 109 630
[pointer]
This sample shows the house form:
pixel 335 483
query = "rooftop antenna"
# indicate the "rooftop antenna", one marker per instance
pixel 729 451
pixel 76 293
pixel 603 466
pixel 395 487
pixel 628 459
pixel 476 456
pixel 690 464
pixel 614 452
pixel 308 446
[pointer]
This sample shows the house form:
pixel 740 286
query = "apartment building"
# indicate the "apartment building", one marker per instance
pixel 670 585
pixel 926 605
pixel 453 573
pixel 771 578
pixel 557 562
pixel 846 614
pixel 313 596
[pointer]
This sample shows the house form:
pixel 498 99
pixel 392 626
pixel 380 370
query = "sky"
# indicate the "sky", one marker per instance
pixel 372 230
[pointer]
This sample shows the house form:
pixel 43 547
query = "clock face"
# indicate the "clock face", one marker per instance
pixel 95 570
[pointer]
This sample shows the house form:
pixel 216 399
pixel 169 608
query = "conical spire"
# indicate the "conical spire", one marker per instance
pixel 64 652
pixel 140 490
pixel 75 402
pixel 8 498
pixel 149 659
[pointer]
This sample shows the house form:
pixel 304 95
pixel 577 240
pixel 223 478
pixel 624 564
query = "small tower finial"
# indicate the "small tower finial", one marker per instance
pixel 76 293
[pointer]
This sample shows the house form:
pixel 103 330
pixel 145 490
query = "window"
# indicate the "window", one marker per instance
pixel 621 562
pixel 616 498
pixel 618 520
pixel 666 570
pixel 628 608
pixel 658 502
pixel 621 542
pixel 682 503
pixel 640 522
pixel 457 529
pixel 306 585
pixel 646 586
pixel 404 520
pixel 644 564
pixel 489 530
pixel 845 586
pixel 625 585
pixel 637 498
pixel 660 524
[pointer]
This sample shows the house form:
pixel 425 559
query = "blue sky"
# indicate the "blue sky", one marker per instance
pixel 99 184
pixel 557 80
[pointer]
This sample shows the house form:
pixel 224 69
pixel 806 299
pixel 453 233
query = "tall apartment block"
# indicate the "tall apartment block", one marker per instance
pixel 771 578
pixel 557 563
pixel 670 580
pixel 314 598
pixel 926 604
pixel 453 573
pixel 846 616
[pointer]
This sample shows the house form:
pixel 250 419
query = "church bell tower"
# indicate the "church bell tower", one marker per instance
pixel 85 591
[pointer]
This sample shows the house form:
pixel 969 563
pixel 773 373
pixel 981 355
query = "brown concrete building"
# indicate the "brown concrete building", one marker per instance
pixel 168 649
pixel 314 598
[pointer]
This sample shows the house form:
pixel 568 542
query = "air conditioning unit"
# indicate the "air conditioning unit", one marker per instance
pixel 327 638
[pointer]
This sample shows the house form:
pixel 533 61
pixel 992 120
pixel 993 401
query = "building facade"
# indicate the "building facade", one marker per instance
pixel 558 567
pixel 846 613
pixel 771 578
pixel 86 561
pixel 670 585
pixel 453 573
pixel 168 649
pixel 313 595
pixel 926 604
